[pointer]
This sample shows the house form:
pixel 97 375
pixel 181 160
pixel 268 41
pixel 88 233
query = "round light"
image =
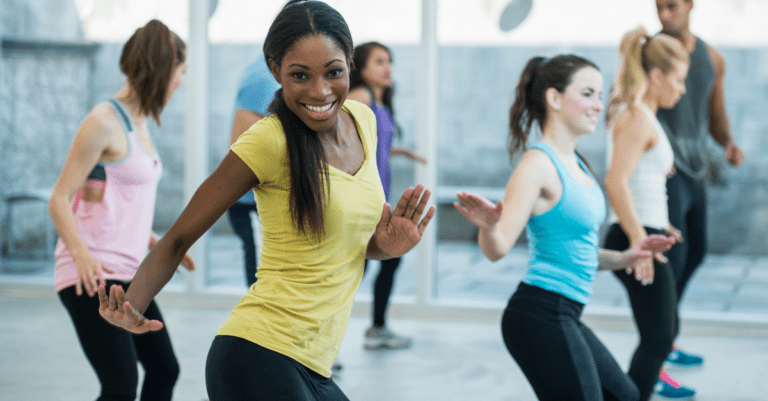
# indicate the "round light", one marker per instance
pixel 514 14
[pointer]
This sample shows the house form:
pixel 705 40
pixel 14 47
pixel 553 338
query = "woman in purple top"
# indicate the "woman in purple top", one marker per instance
pixel 371 83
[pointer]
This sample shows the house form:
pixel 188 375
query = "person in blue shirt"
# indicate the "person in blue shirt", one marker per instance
pixel 553 194
pixel 256 90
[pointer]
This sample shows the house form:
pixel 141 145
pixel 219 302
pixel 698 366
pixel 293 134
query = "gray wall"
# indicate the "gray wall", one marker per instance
pixel 47 90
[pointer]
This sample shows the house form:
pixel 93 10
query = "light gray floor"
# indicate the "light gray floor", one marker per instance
pixel 40 359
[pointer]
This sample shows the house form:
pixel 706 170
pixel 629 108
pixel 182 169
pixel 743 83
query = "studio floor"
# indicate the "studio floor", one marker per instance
pixel 40 358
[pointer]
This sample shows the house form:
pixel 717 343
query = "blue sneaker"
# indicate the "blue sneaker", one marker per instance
pixel 683 359
pixel 669 388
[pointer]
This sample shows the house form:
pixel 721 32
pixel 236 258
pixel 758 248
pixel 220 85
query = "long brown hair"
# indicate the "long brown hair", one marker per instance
pixel 359 61
pixel 310 182
pixel 641 53
pixel 530 104
pixel 148 61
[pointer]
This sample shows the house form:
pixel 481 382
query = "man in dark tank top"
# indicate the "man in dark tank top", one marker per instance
pixel 700 112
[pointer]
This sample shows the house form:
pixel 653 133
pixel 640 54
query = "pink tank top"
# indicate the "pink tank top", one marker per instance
pixel 117 228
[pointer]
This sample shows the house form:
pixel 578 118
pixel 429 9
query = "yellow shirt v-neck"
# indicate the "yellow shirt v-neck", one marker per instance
pixel 301 303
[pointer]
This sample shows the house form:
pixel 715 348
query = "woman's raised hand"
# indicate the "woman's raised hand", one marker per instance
pixel 119 312
pixel 478 210
pixel 400 230
pixel 643 253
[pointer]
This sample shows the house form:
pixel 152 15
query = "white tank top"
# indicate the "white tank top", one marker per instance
pixel 648 184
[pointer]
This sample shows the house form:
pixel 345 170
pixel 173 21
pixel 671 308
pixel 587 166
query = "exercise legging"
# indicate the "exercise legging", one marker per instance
pixel 239 370
pixel 654 307
pixel 382 289
pixel 560 356
pixel 240 217
pixel 113 352
pixel 688 213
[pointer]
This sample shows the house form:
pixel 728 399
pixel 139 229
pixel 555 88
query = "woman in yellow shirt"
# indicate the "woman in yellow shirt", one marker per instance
pixel 311 164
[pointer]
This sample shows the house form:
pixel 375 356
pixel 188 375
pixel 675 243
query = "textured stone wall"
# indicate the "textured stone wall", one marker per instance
pixel 45 87
pixel 47 91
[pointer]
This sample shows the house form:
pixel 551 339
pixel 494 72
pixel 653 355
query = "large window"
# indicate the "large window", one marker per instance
pixel 476 69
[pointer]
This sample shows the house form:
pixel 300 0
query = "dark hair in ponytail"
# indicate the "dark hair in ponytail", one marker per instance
pixel 530 104
pixel 307 163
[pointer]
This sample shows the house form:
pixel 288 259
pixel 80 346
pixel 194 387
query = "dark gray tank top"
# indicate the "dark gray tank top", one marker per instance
pixel 687 123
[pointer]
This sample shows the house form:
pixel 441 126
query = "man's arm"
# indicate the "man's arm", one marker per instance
pixel 244 119
pixel 719 126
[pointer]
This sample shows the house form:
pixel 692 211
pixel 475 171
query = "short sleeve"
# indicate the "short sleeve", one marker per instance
pixel 262 148
pixel 257 88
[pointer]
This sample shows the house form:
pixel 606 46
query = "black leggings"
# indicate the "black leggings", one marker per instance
pixel 382 289
pixel 237 369
pixel 113 352
pixel 240 217
pixel 688 213
pixel 654 307
pixel 560 356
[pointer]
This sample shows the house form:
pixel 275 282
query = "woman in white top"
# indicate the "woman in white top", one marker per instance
pixel 652 75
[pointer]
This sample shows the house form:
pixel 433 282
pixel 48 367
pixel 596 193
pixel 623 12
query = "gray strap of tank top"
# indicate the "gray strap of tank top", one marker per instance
pixel 123 113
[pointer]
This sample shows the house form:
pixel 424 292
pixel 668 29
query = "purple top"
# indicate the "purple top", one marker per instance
pixel 385 131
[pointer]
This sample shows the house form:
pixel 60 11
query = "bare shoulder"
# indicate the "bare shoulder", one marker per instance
pixel 102 124
pixel 718 61
pixel 632 121
pixel 361 95
pixel 537 166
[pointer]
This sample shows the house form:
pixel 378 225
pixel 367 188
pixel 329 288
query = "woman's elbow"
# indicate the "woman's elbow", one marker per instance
pixel 492 256
pixel 54 203
pixel 613 185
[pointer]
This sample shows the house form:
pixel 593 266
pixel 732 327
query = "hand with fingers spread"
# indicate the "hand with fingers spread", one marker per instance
pixel 400 230
pixel 643 253
pixel 119 312
pixel 89 274
pixel 643 269
pixel 478 210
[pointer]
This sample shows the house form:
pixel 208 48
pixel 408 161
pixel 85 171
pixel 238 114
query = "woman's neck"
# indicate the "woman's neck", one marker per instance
pixel 378 94
pixel 559 138
pixel 130 100
pixel 651 101
pixel 334 134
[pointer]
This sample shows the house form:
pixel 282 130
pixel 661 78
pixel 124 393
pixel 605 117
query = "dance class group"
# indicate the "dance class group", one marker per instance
pixel 312 137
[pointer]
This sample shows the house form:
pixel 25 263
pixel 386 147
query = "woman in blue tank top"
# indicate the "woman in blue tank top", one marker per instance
pixel 553 194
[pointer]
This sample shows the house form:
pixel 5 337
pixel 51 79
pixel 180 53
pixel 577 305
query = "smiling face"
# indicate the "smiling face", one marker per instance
pixel 670 86
pixel 378 69
pixel 674 15
pixel 314 74
pixel 579 105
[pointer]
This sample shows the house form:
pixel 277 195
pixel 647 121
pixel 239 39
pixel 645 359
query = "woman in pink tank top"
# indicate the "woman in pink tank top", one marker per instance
pixel 103 206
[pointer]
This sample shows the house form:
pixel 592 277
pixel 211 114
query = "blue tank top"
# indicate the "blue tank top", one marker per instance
pixel 563 242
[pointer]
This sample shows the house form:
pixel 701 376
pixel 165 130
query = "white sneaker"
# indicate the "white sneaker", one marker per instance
pixel 384 338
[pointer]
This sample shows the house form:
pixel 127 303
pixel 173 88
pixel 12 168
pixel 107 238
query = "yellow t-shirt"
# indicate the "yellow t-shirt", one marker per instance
pixel 301 303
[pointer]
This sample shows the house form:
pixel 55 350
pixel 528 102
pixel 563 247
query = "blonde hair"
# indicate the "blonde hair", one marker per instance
pixel 641 53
